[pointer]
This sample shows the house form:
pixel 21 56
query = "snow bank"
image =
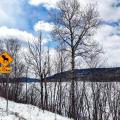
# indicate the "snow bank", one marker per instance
pixel 18 111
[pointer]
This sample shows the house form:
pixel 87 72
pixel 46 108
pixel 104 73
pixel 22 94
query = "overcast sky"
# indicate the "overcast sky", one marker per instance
pixel 23 18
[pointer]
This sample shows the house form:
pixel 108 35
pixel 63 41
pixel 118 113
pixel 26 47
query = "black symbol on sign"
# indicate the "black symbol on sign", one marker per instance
pixel 5 59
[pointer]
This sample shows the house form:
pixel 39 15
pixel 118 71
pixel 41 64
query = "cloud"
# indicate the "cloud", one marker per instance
pixel 45 26
pixel 23 36
pixel 109 37
pixel 10 33
pixel 47 3
pixel 106 9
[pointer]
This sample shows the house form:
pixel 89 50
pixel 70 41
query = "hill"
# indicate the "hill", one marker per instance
pixel 97 74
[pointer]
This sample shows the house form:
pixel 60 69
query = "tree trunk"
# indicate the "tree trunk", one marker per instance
pixel 73 87
pixel 42 92
pixel 46 96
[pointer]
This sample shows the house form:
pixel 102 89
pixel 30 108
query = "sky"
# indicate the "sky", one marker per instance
pixel 24 18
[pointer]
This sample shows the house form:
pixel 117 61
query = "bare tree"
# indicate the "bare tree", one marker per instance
pixel 13 47
pixel 61 65
pixel 39 64
pixel 27 70
pixel 75 26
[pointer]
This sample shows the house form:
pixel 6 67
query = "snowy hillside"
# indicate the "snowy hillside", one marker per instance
pixel 18 111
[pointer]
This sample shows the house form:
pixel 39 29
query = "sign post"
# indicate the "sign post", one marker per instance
pixel 7 92
pixel 5 60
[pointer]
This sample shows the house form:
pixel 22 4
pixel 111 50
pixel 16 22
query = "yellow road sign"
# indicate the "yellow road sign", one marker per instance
pixel 5 59
pixel 5 69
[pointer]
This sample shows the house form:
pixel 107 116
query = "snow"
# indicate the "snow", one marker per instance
pixel 17 111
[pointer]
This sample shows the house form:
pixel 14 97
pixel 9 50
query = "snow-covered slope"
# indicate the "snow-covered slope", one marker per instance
pixel 18 111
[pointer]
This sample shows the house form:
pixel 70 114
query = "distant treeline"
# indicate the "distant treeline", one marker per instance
pixel 90 75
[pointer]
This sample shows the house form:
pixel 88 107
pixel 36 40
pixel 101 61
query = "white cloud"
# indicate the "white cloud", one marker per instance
pixel 107 11
pixel 10 33
pixel 7 33
pixel 41 25
pixel 47 3
pixel 109 38
pixel 105 8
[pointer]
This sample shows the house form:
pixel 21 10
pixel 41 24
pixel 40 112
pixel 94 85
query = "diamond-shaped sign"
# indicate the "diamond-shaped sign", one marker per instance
pixel 5 59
